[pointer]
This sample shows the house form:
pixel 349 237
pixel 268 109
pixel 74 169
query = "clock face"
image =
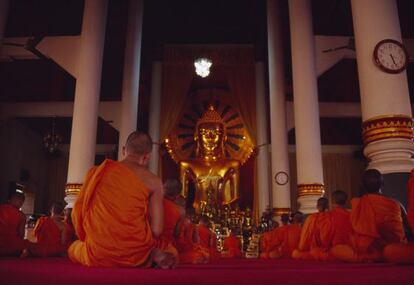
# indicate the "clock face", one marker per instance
pixel 281 178
pixel 390 56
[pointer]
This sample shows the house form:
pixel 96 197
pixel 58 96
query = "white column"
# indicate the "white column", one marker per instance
pixel 385 97
pixel 262 138
pixel 307 130
pixel 85 113
pixel 278 130
pixel 130 84
pixel 4 10
pixel 154 115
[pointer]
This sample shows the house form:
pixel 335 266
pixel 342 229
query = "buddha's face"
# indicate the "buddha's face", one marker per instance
pixel 210 137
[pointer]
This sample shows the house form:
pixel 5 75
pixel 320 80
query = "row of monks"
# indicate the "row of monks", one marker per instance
pixel 52 234
pixel 125 216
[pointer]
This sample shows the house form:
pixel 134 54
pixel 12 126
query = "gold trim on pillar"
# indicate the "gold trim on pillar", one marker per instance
pixel 387 127
pixel 280 211
pixel 311 189
pixel 73 188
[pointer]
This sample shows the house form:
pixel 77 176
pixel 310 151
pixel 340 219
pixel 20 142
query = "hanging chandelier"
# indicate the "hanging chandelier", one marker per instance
pixel 202 66
pixel 52 140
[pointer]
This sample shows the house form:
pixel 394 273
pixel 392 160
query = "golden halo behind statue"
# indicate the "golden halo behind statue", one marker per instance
pixel 182 146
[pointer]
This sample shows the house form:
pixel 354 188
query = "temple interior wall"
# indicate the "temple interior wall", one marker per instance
pixel 342 170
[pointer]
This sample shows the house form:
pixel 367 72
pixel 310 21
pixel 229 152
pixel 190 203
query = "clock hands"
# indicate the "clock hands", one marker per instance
pixel 393 60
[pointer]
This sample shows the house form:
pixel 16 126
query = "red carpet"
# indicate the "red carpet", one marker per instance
pixel 60 271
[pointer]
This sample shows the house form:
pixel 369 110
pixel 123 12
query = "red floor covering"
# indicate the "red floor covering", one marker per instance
pixel 60 271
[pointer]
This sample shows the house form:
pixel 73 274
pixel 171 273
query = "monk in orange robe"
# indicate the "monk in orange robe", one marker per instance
pixel 51 234
pixel 188 244
pixel 286 238
pixel 333 231
pixel 70 235
pixel 376 222
pixel 12 226
pixel 182 234
pixel 173 215
pixel 269 236
pixel 119 212
pixel 231 247
pixel 341 219
pixel 313 232
pixel 208 239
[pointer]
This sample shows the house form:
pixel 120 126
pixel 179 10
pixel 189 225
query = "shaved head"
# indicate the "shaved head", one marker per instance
pixel 172 188
pixel 323 204
pixel 138 143
pixel 57 208
pixel 16 198
pixel 17 195
pixel 297 218
pixel 339 197
pixel 284 218
pixel 372 180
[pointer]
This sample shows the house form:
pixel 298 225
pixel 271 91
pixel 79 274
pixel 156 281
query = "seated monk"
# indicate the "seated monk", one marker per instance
pixel 119 212
pixel 269 236
pixel 51 234
pixel 335 231
pixel 12 226
pixel 208 239
pixel 316 226
pixel 231 247
pixel 70 231
pixel 376 222
pixel 341 222
pixel 173 215
pixel 286 238
pixel 188 243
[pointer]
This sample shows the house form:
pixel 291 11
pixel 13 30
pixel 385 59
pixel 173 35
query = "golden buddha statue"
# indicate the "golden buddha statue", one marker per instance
pixel 214 176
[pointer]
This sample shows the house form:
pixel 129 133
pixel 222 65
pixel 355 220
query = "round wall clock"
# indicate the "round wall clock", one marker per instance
pixel 281 178
pixel 391 56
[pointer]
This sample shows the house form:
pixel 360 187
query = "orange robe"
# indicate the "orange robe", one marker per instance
pixel 342 228
pixel 10 241
pixel 399 253
pixel 231 247
pixel 171 217
pixel 266 241
pixel 376 221
pixel 283 241
pixel 315 233
pixel 188 250
pixel 410 212
pixel 208 240
pixel 111 219
pixel 49 238
pixel 264 244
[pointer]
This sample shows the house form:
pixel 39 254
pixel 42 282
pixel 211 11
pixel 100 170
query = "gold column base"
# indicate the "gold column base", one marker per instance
pixel 280 211
pixel 73 189
pixel 311 189
pixel 387 127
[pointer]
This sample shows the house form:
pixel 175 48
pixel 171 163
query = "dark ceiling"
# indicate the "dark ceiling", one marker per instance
pixel 180 22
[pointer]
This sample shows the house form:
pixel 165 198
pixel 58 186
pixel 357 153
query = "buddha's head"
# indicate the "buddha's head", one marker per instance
pixel 210 134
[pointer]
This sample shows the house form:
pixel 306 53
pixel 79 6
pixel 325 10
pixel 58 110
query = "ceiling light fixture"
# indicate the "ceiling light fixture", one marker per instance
pixel 52 140
pixel 202 66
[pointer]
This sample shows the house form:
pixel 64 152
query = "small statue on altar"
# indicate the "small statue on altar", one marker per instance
pixel 211 172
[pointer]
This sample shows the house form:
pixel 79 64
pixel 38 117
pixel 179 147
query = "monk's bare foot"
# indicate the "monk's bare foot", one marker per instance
pixel 164 260
pixel 25 253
